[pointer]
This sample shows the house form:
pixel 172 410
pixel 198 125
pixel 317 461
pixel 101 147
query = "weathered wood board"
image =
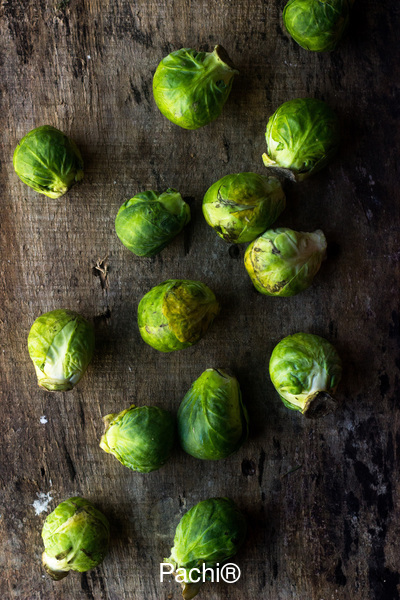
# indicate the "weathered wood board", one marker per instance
pixel 321 497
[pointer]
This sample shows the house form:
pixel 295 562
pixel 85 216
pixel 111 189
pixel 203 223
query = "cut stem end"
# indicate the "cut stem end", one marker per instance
pixel 319 405
pixel 223 56
pixel 190 590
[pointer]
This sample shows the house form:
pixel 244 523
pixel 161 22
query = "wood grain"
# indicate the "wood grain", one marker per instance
pixel 321 497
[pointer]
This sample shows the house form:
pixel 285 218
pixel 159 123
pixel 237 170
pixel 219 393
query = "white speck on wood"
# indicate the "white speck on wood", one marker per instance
pixel 43 420
pixel 42 503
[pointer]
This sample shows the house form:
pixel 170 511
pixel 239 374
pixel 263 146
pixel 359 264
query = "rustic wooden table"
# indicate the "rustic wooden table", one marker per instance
pixel 321 497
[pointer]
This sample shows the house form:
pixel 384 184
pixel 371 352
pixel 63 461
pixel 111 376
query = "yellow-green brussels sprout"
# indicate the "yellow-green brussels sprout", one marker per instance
pixel 317 25
pixel 48 161
pixel 140 437
pixel 75 537
pixel 146 223
pixel 60 344
pixel 305 370
pixel 240 207
pixel 208 534
pixel 302 136
pixel 190 88
pixel 176 314
pixel 212 419
pixel 283 262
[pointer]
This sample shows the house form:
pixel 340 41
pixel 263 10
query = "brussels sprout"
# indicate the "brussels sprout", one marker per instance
pixel 302 136
pixel 190 88
pixel 283 262
pixel 240 207
pixel 75 537
pixel 60 344
pixel 209 533
pixel 48 161
pixel 176 314
pixel 141 437
pixel 212 420
pixel 317 25
pixel 305 370
pixel 146 223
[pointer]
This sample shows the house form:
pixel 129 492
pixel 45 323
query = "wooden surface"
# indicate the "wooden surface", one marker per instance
pixel 321 497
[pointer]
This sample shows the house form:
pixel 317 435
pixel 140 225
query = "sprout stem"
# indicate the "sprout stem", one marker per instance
pixel 223 56
pixel 190 590
pixel 54 573
pixel 319 405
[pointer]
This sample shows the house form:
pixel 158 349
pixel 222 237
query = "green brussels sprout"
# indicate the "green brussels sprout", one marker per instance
pixel 317 25
pixel 48 161
pixel 302 136
pixel 75 537
pixel 190 88
pixel 176 314
pixel 212 420
pixel 140 437
pixel 305 370
pixel 146 223
pixel 283 262
pixel 209 533
pixel 61 345
pixel 241 206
